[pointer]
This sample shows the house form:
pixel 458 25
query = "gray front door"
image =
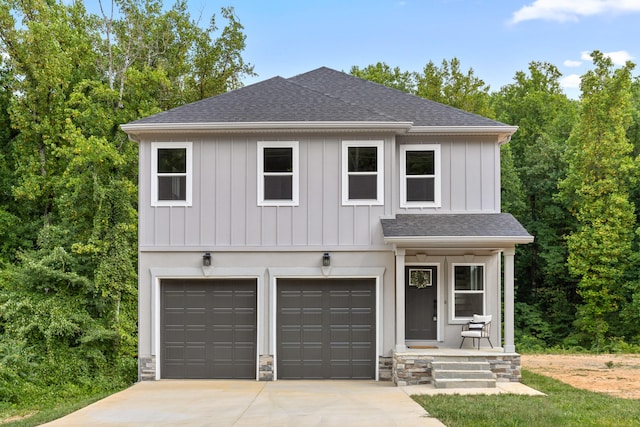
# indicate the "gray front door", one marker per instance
pixel 421 304
pixel 326 328
pixel 208 328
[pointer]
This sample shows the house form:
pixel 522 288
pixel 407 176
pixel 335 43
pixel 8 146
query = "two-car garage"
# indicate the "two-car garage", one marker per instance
pixel 325 328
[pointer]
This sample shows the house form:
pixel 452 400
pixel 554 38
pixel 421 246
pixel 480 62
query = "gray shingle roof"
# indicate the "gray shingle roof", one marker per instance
pixel 319 95
pixel 494 225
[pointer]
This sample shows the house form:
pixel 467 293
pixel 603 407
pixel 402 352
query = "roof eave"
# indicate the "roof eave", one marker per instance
pixel 504 133
pixel 460 241
pixel 142 128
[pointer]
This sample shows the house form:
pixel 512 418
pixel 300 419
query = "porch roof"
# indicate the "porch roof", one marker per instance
pixel 494 229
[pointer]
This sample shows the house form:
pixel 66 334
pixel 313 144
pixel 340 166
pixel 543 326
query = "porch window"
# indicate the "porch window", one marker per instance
pixel 420 180
pixel 171 174
pixel 362 178
pixel 468 290
pixel 278 173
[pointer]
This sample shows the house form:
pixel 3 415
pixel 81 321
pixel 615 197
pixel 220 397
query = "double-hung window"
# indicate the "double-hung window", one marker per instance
pixel 468 290
pixel 171 173
pixel 278 173
pixel 420 175
pixel 362 173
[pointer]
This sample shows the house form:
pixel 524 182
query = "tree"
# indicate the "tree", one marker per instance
pixel 448 85
pixel 596 191
pixel 544 116
pixel 382 73
pixel 68 294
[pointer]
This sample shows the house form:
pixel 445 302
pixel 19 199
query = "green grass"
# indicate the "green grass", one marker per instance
pixel 564 406
pixel 46 410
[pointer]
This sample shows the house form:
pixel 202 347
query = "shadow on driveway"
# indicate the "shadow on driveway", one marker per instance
pixel 252 403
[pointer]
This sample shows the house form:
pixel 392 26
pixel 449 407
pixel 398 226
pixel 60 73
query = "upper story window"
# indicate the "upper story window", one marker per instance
pixel 171 173
pixel 420 175
pixel 278 173
pixel 362 177
pixel 468 290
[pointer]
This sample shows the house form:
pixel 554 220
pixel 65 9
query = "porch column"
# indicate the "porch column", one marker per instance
pixel 400 303
pixel 509 343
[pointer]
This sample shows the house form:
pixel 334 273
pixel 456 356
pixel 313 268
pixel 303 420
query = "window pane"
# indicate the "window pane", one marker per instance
pixel 469 278
pixel 363 159
pixel 420 163
pixel 172 160
pixel 172 188
pixel 420 190
pixel 278 187
pixel 278 159
pixel 468 304
pixel 363 187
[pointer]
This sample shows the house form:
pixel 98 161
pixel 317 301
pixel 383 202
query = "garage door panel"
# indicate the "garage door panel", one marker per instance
pixel 208 328
pixel 326 328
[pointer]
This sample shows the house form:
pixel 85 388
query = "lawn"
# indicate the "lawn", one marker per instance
pixel 563 406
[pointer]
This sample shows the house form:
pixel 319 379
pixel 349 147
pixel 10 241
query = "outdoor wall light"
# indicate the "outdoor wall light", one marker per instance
pixel 326 259
pixel 206 260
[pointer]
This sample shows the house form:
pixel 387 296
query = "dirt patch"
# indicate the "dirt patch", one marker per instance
pixel 614 374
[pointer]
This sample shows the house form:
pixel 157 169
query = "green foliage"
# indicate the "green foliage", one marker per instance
pixel 596 191
pixel 68 193
pixel 449 85
pixel 382 73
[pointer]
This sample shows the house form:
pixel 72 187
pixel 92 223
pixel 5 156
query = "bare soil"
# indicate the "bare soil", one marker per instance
pixel 614 374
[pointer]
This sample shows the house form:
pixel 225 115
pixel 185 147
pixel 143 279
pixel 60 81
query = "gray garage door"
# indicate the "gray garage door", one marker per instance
pixel 326 328
pixel 208 328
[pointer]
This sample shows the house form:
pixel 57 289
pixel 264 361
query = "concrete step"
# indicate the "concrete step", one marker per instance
pixel 462 365
pixel 464 383
pixel 463 374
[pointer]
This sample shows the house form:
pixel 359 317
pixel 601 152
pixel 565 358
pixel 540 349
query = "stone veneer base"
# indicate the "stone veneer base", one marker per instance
pixel 412 368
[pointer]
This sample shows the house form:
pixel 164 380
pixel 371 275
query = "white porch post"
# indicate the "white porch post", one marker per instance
pixel 509 342
pixel 400 303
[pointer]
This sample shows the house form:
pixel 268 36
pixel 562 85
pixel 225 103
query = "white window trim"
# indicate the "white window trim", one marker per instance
pixel 379 200
pixel 453 292
pixel 295 182
pixel 155 146
pixel 437 195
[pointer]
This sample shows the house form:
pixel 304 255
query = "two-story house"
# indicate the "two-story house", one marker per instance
pixel 320 226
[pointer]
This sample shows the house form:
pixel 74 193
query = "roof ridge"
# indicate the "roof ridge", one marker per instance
pixel 341 99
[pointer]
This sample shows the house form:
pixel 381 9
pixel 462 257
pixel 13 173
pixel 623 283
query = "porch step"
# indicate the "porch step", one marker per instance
pixel 462 374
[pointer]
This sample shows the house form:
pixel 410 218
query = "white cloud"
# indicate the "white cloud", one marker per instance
pixel 572 10
pixel 619 57
pixel 572 64
pixel 585 55
pixel 570 81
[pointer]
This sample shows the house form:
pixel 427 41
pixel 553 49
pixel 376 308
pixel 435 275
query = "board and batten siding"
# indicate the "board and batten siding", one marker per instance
pixel 470 168
pixel 225 212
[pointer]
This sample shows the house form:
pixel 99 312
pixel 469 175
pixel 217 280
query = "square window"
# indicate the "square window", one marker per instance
pixel 362 177
pixel 278 173
pixel 171 174
pixel 420 175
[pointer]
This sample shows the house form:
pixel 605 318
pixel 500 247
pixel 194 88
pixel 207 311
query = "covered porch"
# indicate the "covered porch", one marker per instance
pixel 464 265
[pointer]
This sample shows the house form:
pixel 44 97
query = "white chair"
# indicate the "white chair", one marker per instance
pixel 478 328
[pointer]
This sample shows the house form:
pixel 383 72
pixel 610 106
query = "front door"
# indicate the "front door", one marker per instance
pixel 421 304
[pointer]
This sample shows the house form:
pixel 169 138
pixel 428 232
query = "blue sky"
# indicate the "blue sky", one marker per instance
pixel 496 38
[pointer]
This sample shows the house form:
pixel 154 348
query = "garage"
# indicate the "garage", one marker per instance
pixel 326 328
pixel 208 329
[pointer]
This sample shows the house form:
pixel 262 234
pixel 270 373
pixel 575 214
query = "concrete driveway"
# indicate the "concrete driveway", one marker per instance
pixel 252 403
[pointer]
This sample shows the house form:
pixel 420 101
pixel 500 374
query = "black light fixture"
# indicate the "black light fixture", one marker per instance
pixel 206 260
pixel 326 259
